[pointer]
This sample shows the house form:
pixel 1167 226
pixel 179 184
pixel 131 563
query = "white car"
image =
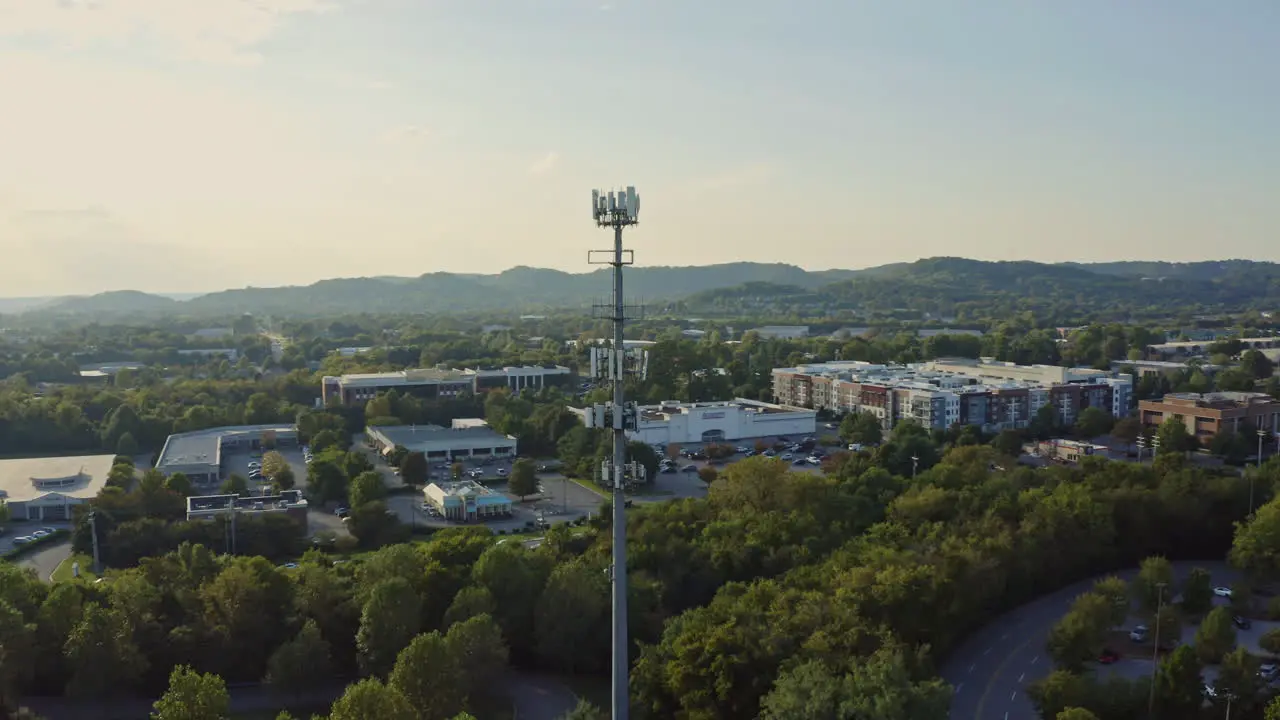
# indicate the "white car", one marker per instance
pixel 786 456
pixel 502 472
pixel 1268 671
pixel 22 539
pixel 1222 592
pixel 40 534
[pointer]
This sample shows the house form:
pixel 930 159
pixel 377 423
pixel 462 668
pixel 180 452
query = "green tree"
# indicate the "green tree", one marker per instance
pixel 862 428
pixel 301 664
pixel 1008 442
pixel 586 711
pixel 1155 577
pixel 1173 438
pixel 326 480
pixel 1216 636
pixel 1238 681
pixel 413 468
pixel 524 479
pixel 284 479
pixel 1270 641
pixel 273 462
pixel 1127 430
pixel 1169 622
pixel 102 657
pixel 1197 592
pixel 1273 709
pixel 879 686
pixel 1179 683
pixel 471 601
pixel 179 483
pixel 1256 364
pixel 366 487
pixel 17 638
pixel 193 696
pixel 476 645
pixel 6 513
pixel 1079 636
pixel 1076 713
pixel 368 699
pixel 127 445
pixel 1092 422
pixel 1256 549
pixel 389 621
pixel 235 484
pixel 1116 591
pixel 430 678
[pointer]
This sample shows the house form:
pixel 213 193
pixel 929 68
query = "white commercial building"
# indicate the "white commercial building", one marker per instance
pixel 679 423
pixel 199 455
pixel 453 443
pixel 47 488
pixel 467 501
pixel 782 332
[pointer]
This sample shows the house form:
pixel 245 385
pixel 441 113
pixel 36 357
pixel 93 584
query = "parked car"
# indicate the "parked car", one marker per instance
pixel 1222 592
pixel 689 468
pixel 22 539
pixel 1138 634
pixel 1242 622
pixel 1268 671
pixel 1108 656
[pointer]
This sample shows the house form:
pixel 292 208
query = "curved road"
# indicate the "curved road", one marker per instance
pixel 989 672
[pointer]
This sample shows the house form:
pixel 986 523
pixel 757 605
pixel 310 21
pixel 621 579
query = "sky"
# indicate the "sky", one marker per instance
pixel 195 145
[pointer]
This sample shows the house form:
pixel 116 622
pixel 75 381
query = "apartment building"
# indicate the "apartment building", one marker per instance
pixel 1207 414
pixel 992 395
pixel 440 382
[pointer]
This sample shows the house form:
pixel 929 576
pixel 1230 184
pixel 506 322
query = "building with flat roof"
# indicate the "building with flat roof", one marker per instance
pixel 455 443
pixel 1070 450
pixel 290 502
pixel 1207 414
pixel 992 395
pixel 199 454
pixel 1193 348
pixel 782 332
pixel 47 488
pixel 1144 368
pixel 440 382
pixel 679 423
pixel 467 501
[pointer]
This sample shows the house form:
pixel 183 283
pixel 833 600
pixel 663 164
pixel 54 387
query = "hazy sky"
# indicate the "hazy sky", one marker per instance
pixel 189 145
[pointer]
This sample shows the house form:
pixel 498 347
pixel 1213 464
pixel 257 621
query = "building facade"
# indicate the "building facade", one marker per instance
pixel 289 502
pixel 199 455
pixel 466 501
pixel 992 395
pixel 440 382
pixel 1208 414
pixel 674 423
pixel 48 488
pixel 462 442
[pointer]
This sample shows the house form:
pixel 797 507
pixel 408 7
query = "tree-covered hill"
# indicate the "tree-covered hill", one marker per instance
pixel 943 286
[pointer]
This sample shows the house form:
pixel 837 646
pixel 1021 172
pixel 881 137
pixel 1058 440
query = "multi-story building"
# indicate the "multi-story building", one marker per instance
pixel 991 395
pixel 740 419
pixel 1208 414
pixel 440 382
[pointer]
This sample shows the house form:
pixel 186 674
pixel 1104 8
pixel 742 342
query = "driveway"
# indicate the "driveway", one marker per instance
pixel 47 559
pixel 989 672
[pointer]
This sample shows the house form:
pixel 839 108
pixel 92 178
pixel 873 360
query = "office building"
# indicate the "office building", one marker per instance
pixel 288 502
pixel 1195 348
pixel 678 423
pixel 1208 414
pixel 467 440
pixel 440 382
pixel 992 395
pixel 200 455
pixel 47 488
pixel 782 332
pixel 467 501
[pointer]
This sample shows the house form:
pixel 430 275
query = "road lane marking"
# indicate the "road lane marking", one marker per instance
pixel 1035 659
pixel 1004 636
pixel 971 667
pixel 988 652
pixel 1014 695
pixel 982 701
pixel 1022 677
pixel 959 688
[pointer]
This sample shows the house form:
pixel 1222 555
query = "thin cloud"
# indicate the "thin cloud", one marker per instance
pixel 407 133
pixel 361 82
pixel 546 164
pixel 219 32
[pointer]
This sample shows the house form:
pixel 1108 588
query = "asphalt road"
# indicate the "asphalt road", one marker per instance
pixel 47 559
pixel 990 671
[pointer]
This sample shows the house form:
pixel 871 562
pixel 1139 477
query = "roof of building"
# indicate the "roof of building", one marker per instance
pixel 466 489
pixel 204 446
pixel 223 503
pixel 416 435
pixel 25 479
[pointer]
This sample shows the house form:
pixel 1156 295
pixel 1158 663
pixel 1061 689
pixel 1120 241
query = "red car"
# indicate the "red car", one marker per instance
pixel 1107 657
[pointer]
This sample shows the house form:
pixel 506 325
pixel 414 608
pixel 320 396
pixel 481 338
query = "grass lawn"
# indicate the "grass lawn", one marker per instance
pixel 63 572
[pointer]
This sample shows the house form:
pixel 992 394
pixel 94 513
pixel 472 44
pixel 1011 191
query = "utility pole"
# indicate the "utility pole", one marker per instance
pixel 93 534
pixel 617 211
pixel 1155 653
pixel 915 465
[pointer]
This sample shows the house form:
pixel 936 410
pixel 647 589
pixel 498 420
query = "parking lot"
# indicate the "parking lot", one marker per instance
pixel 239 464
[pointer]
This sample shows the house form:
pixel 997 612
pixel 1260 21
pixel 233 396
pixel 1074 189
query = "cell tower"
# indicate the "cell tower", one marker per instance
pixel 615 363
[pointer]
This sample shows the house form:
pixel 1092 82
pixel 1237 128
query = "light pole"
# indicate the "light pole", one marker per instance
pixel 617 211
pixel 915 465
pixel 93 534
pixel 1155 652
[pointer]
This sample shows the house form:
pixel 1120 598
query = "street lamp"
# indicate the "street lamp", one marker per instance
pixel 1155 652
pixel 915 465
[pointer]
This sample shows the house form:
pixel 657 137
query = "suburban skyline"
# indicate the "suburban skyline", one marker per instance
pixel 183 146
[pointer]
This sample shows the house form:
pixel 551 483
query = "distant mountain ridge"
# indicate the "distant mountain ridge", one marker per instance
pixel 934 284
